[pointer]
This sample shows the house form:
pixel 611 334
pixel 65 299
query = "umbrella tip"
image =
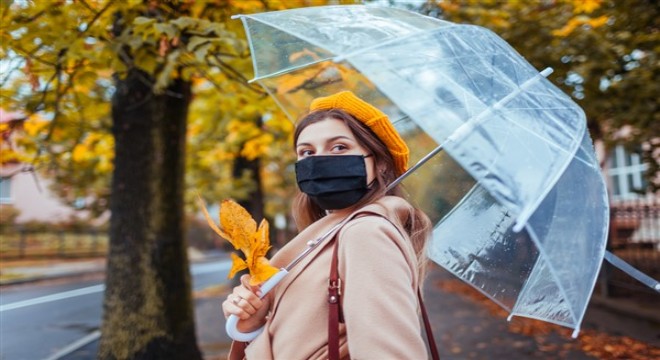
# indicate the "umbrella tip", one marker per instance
pixel 575 332
pixel 519 225
pixel 547 71
pixel 237 16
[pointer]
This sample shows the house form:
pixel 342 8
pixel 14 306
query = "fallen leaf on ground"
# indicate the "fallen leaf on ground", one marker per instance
pixel 594 343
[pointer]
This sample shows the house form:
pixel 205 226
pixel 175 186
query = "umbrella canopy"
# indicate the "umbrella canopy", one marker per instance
pixel 518 200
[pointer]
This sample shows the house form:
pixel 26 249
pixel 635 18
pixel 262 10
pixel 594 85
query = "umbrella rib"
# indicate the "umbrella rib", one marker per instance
pixel 287 70
pixel 389 41
pixel 553 271
pixel 302 37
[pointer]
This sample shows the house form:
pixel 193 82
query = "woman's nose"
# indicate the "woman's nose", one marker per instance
pixel 322 152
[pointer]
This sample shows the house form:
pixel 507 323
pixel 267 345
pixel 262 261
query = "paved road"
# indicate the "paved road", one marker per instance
pixel 38 321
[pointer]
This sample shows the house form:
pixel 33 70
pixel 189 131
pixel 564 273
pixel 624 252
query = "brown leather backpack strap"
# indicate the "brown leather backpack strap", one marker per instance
pixel 334 313
pixel 427 328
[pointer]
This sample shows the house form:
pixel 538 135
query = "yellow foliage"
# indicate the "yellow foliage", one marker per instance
pixel 257 147
pixel 578 21
pixel 448 6
pixel 7 155
pixel 586 6
pixel 247 5
pixel 98 148
pixel 79 153
pixel 294 81
pixel 241 130
pixel 34 125
pixel 240 229
pixel 598 22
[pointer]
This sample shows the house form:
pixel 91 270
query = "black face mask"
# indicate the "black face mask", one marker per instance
pixel 333 182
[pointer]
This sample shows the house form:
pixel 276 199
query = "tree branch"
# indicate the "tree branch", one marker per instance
pixel 235 75
pixel 96 16
pixel 30 54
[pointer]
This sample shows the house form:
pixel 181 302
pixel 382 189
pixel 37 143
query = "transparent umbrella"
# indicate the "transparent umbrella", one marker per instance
pixel 517 198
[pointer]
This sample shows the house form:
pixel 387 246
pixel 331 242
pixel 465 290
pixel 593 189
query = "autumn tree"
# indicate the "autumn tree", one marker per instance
pixel 94 76
pixel 604 53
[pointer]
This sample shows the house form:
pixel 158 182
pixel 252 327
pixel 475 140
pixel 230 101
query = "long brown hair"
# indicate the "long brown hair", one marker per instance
pixel 305 211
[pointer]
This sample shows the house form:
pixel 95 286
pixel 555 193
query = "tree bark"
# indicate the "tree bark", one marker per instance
pixel 148 307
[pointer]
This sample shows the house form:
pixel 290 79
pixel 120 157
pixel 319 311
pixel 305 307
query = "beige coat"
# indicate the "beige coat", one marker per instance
pixel 379 300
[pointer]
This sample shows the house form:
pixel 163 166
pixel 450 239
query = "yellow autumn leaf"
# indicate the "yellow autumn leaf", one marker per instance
pixel 263 270
pixel 257 261
pixel 238 224
pixel 237 265
pixel 240 229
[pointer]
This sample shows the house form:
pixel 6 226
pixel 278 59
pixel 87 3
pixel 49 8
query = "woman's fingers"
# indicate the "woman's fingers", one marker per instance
pixel 245 301
pixel 242 302
pixel 238 306
pixel 245 281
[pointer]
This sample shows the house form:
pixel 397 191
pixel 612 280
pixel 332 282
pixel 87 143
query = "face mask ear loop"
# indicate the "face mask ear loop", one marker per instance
pixel 374 180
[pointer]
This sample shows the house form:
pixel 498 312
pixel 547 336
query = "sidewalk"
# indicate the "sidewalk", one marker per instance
pixel 35 270
pixel 469 326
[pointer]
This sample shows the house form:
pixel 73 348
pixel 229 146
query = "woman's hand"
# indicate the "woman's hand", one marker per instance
pixel 245 303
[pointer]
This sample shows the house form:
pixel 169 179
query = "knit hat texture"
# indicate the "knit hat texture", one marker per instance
pixel 375 119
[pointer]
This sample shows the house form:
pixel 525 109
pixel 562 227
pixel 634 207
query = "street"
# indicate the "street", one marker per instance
pixel 38 321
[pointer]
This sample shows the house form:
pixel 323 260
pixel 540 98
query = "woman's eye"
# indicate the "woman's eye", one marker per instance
pixel 302 153
pixel 339 147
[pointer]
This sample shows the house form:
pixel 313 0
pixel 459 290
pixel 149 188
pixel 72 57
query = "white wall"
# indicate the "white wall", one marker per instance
pixel 35 202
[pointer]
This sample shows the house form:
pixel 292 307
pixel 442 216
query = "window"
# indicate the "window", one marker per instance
pixel 79 203
pixel 626 172
pixel 5 191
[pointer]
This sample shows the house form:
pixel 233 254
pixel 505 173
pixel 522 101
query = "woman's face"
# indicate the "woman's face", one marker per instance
pixel 332 137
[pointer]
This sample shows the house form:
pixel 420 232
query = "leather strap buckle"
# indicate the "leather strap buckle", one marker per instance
pixel 334 285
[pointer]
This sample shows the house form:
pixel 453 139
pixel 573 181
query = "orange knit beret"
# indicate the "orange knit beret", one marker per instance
pixel 375 119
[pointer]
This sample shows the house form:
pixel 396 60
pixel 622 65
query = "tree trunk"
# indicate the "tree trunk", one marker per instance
pixel 148 307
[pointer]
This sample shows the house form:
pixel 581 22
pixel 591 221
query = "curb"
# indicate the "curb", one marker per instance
pixel 97 271
pixel 33 279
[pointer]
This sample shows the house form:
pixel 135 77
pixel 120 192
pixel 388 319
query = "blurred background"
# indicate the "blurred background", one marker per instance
pixel 115 115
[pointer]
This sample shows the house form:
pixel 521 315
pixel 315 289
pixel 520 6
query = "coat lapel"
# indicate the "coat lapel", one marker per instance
pixel 304 237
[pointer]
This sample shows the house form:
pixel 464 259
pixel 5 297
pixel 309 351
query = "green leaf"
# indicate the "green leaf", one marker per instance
pixel 87 78
pixel 169 30
pixel 195 41
pixel 184 22
pixel 146 61
pixel 165 76
pixel 202 51
pixel 143 21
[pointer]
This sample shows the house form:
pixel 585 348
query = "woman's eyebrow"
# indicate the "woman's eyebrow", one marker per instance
pixel 339 137
pixel 327 140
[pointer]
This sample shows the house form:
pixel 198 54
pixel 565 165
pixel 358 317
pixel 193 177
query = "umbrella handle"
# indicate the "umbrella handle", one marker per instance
pixel 232 320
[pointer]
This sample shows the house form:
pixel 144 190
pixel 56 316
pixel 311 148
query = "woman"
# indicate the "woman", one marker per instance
pixel 348 152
